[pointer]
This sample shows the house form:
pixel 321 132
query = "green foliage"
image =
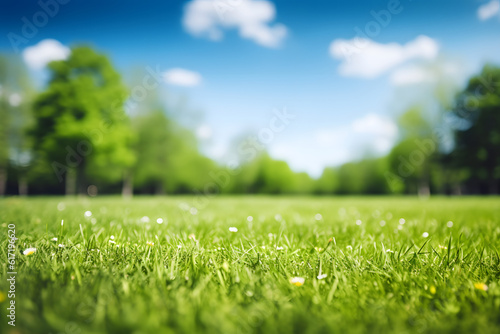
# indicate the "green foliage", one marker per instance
pixel 82 133
pixel 15 116
pixel 273 176
pixel 196 276
pixel 361 177
pixel 410 160
pixel 190 171
pixel 477 148
pixel 327 182
pixel 413 124
pixel 80 114
pixel 265 175
pixel 303 183
pixel 168 158
pixel 152 148
pixel 4 115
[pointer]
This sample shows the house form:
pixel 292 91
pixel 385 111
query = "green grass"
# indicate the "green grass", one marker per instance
pixel 238 282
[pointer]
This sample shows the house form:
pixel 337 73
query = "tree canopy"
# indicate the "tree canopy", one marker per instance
pixel 80 123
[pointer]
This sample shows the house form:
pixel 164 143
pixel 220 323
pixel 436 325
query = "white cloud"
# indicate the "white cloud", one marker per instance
pixel 301 154
pixel 411 75
pixel 380 132
pixel 204 132
pixel 182 77
pixel 371 133
pixel 218 149
pixel 488 10
pixel 365 58
pixel 365 130
pixel 373 124
pixel 426 73
pixel 252 18
pixel 47 50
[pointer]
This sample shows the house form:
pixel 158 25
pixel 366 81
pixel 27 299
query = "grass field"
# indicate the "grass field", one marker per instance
pixel 433 266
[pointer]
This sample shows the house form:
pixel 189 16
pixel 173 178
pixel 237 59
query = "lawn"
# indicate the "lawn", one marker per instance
pixel 253 265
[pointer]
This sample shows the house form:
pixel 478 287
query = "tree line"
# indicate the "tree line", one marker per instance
pixel 75 137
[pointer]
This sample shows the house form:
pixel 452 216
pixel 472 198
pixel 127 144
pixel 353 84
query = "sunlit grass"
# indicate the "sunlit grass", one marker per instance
pixel 254 264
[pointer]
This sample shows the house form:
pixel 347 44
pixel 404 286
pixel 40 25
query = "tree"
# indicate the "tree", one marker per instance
pixel 477 147
pixel 303 183
pixel 328 181
pixel 264 175
pixel 4 126
pixel 152 149
pixel 168 158
pixel 15 100
pixel 410 161
pixel 80 124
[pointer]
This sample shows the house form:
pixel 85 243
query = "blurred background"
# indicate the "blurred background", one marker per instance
pixel 250 96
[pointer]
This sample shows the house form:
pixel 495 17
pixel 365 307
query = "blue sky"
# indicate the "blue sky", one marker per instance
pixel 238 60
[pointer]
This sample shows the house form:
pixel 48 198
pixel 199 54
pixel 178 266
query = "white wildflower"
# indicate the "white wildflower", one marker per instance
pixel 29 251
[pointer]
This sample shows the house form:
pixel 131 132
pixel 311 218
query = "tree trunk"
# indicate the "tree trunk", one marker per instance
pixel 3 180
pixel 128 185
pixel 424 189
pixel 457 189
pixel 492 183
pixel 22 186
pixel 70 182
pixel 80 179
pixel 474 188
pixel 159 189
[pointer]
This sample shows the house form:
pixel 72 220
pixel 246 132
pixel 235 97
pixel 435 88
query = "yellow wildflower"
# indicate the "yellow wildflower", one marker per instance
pixel 481 286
